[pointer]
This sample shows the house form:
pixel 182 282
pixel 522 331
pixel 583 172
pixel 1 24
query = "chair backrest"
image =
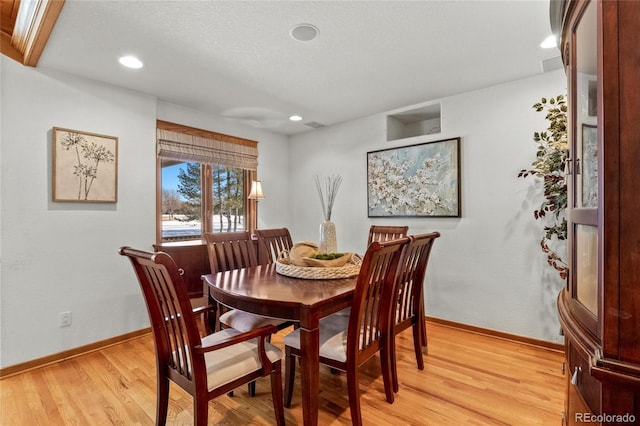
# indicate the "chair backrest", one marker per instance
pixel 174 328
pixel 231 250
pixel 370 318
pixel 411 278
pixel 386 233
pixel 271 242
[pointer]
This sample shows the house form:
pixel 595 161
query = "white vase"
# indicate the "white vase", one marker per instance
pixel 328 243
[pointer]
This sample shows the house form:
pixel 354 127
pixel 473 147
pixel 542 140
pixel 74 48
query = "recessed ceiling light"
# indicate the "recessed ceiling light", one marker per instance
pixel 304 32
pixel 295 118
pixel 549 42
pixel 130 61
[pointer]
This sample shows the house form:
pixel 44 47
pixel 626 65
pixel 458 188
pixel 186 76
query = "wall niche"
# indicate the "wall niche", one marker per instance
pixel 413 122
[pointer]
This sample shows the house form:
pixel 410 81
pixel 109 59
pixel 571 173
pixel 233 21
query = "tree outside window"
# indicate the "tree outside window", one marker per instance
pixel 182 199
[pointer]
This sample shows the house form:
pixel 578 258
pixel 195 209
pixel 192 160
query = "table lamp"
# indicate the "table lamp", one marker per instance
pixel 256 191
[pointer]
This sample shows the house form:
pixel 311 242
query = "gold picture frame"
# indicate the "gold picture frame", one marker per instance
pixel 85 167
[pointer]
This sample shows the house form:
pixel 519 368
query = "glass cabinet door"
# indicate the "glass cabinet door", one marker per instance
pixel 585 114
pixel 583 182
pixel 586 266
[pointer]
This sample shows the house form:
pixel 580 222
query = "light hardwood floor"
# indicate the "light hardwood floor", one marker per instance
pixel 469 378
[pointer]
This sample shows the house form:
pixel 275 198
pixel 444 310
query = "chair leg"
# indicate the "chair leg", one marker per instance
pixel 423 335
pixel 251 388
pixel 289 376
pixel 276 393
pixel 162 403
pixel 417 344
pixel 200 410
pixel 386 361
pixel 394 365
pixel 423 328
pixel 354 395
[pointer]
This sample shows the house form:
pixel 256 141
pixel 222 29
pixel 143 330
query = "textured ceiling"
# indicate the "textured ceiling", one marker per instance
pixel 237 60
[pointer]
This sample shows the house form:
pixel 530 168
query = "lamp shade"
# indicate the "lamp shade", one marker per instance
pixel 256 191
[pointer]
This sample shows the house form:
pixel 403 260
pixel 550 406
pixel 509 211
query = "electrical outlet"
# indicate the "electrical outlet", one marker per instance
pixel 65 319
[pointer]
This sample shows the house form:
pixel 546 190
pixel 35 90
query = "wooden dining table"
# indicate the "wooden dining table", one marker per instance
pixel 261 290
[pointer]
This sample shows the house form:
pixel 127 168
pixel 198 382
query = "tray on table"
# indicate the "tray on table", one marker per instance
pixel 350 269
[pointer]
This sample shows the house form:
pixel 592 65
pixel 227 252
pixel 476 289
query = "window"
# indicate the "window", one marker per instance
pixel 203 183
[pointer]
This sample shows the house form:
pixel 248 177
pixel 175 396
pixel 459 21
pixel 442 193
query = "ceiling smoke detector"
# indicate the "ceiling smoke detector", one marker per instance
pixel 304 32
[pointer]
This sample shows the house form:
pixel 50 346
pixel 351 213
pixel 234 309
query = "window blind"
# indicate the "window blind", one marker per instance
pixel 232 152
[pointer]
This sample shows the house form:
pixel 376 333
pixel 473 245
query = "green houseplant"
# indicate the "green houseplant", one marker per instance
pixel 549 166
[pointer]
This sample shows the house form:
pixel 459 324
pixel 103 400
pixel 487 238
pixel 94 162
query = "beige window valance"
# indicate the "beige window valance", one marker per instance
pixel 183 143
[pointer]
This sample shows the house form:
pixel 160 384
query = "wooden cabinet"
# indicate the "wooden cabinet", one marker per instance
pixel 600 306
pixel 192 257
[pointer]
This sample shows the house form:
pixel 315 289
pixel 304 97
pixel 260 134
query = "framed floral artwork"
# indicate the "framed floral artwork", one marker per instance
pixel 421 180
pixel 85 167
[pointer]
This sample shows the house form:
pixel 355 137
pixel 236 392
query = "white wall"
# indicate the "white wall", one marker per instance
pixel 486 269
pixel 63 256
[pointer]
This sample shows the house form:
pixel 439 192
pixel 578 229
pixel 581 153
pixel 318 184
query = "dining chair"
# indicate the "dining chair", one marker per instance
pixel 271 242
pixel 192 264
pixel 410 306
pixel 205 367
pixel 347 342
pixel 386 233
pixel 236 250
pixel 381 233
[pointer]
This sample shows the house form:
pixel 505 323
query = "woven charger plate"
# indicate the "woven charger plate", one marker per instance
pixel 284 267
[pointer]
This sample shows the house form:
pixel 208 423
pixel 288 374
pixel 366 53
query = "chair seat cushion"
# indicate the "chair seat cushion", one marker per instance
pixel 333 337
pixel 227 364
pixel 245 321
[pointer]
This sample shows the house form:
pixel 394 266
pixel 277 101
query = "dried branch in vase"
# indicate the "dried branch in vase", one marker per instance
pixel 331 186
